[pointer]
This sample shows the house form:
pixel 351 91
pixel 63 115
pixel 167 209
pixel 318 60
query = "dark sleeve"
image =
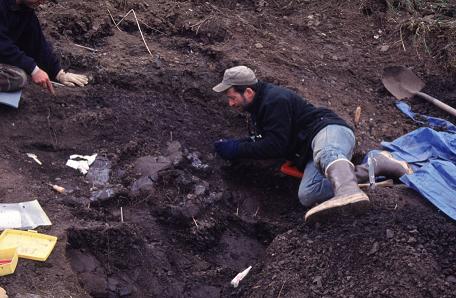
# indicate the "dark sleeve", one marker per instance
pixel 276 133
pixel 43 54
pixel 10 53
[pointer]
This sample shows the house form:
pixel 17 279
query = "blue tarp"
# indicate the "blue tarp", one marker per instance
pixel 432 122
pixel 422 145
pixel 436 181
pixel 433 156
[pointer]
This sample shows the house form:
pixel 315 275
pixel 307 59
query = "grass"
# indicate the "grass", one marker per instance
pixel 415 6
pixel 431 26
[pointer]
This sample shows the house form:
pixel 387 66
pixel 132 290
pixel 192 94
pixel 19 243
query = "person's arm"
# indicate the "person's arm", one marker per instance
pixel 46 58
pixel 275 135
pixel 44 55
pixel 11 54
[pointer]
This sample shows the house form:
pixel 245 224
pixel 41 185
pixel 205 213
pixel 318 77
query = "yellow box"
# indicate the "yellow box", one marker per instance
pixel 8 254
pixel 30 244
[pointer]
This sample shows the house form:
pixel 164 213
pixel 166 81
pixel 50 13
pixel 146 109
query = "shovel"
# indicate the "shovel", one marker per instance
pixel 402 83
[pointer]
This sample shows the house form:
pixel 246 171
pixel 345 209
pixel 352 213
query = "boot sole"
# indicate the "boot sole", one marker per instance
pixel 353 204
pixel 404 164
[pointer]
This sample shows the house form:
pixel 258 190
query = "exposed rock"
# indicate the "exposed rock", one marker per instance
pixel 200 189
pixel 143 184
pixel 82 262
pixel 151 165
pixel 384 48
pixel 75 201
pixel 196 162
pixel 99 172
pixel 186 211
pixel 174 152
pixel 411 240
pixel 106 194
pixel 95 284
pixel 389 234
pixel 201 186
pixel 318 281
pixel 374 249
pixel 213 198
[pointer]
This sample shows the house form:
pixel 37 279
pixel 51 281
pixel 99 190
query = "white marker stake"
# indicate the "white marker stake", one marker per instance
pixel 121 215
pixel 239 277
pixel 35 158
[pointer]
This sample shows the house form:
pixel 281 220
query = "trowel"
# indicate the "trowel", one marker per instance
pixel 402 83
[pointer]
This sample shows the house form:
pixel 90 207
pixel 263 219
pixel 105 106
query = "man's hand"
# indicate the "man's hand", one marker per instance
pixel 41 78
pixel 71 79
pixel 227 149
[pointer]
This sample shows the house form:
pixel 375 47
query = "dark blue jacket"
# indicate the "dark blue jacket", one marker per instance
pixel 287 124
pixel 22 42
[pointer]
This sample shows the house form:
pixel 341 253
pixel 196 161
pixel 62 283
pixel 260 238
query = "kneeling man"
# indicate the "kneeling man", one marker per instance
pixel 316 140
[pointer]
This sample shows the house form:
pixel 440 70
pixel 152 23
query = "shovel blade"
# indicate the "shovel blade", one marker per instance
pixel 401 82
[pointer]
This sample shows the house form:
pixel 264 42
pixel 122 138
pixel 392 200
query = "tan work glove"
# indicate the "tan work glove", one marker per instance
pixel 3 293
pixel 72 79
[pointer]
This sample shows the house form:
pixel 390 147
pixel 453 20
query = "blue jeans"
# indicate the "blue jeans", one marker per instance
pixel 331 143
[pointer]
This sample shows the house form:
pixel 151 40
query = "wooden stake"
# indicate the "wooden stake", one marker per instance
pixel 357 116
pixel 280 292
pixel 35 158
pixel 402 40
pixel 256 212
pixel 121 215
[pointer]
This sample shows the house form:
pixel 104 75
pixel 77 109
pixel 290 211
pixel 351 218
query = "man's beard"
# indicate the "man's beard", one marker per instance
pixel 245 104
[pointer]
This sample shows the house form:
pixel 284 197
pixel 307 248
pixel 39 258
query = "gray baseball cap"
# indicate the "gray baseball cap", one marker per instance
pixel 236 76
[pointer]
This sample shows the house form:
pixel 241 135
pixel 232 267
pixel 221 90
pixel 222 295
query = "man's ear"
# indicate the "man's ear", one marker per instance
pixel 249 94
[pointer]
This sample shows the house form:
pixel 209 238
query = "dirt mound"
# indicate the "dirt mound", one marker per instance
pixel 387 253
pixel 191 222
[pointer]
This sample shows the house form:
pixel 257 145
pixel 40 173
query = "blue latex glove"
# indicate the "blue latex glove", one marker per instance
pixel 227 149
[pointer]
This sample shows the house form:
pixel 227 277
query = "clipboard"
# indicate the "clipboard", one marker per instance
pixel 11 99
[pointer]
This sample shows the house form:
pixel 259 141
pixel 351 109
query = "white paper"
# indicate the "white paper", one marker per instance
pixel 90 158
pixel 10 219
pixel 11 99
pixel 81 163
pixel 31 215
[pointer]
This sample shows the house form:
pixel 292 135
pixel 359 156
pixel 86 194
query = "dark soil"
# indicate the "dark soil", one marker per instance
pixel 192 221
